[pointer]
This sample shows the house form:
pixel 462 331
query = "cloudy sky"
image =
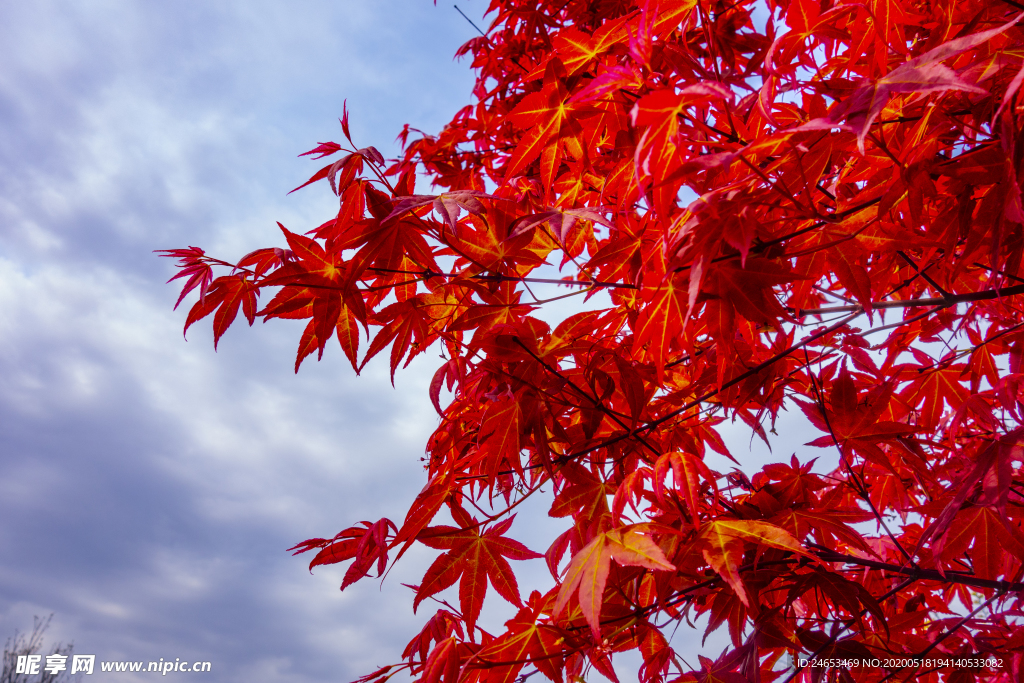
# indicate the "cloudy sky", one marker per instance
pixel 148 485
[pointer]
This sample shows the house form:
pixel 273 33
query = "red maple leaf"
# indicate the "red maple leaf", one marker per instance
pixel 478 558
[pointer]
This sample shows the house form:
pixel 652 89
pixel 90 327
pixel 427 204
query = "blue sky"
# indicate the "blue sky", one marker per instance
pixel 148 485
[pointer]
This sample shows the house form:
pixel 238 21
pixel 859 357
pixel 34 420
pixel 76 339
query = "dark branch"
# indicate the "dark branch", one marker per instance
pixel 944 302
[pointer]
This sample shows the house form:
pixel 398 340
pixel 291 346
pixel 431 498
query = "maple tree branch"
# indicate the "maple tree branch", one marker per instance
pixel 1000 272
pixel 684 595
pixel 470 22
pixel 935 643
pixel 501 513
pixel 754 370
pixel 819 224
pixel 910 119
pixel 827 555
pixel 944 302
pixel 480 152
pixel 950 577
pixel 596 403
pixel 697 122
pixel 923 273
pixel 998 335
pixel 901 323
pixel 764 246
pixel 696 354
pixel 775 186
pixel 880 143
pixel 541 302
pixel 427 273
pixel 833 294
pixel 704 397
pixel 835 636
pixel 859 486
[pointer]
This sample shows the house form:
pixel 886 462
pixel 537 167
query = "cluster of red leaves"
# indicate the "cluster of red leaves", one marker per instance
pixel 803 204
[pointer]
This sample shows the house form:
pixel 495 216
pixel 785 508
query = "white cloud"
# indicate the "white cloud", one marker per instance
pixel 149 486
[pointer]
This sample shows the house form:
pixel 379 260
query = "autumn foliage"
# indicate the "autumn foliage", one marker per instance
pixel 805 206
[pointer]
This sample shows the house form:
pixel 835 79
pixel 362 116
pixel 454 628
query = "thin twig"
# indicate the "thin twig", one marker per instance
pixel 470 21
pixel 946 301
pixel 859 484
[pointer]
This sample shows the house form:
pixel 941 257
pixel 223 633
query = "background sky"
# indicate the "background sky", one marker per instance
pixel 148 485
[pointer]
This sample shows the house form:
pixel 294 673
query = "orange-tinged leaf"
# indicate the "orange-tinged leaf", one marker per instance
pixel 630 548
pixel 577 49
pixel 923 74
pixel 722 543
pixel 661 318
pixel 499 437
pixel 687 470
pixel 541 115
pixel 543 129
pixel 724 554
pixel 525 641
pixel 584 496
pixel 587 573
pixel 827 522
pixel 934 389
pixel 348 336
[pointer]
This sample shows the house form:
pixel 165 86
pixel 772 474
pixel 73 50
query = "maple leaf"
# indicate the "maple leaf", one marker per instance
pixel 224 297
pixel 934 388
pixel 687 470
pixel 922 75
pixel 658 148
pixel 500 434
pixel 560 222
pixel 366 545
pixel 193 265
pixel 541 115
pixel 478 558
pixel 587 573
pixel 443 663
pixel 991 468
pixel 802 15
pixel 448 205
pixel 853 423
pixel 662 318
pixel 749 289
pixel 986 536
pixel 577 49
pixel 323 149
pixel 611 80
pixel 525 641
pixel 585 496
pixel 723 542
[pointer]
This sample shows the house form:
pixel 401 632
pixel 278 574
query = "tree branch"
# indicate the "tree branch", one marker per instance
pixel 944 302
pixel 924 574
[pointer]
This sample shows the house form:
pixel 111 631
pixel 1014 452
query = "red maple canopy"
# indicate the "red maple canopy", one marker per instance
pixel 806 206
